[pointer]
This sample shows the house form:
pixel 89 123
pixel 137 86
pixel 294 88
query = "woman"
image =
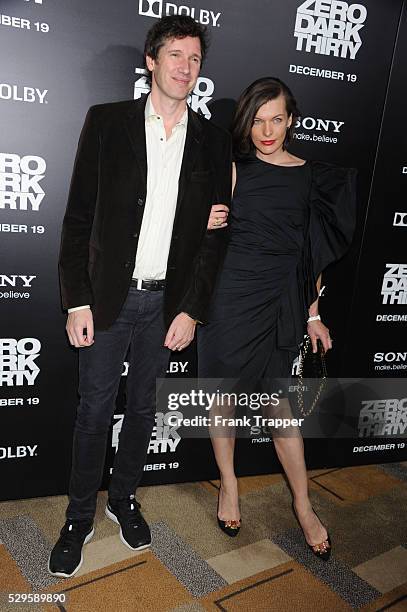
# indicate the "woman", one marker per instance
pixel 290 218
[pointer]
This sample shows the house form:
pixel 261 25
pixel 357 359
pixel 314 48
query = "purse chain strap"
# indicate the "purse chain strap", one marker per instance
pixel 301 387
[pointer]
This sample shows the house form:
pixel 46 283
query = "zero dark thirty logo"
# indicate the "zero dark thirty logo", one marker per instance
pixel 330 27
pixel 20 179
pixel 394 286
pixel 198 99
pixel 18 361
pixel 164 438
pixel 385 417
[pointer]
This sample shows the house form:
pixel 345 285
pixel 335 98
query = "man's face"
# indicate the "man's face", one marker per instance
pixel 177 67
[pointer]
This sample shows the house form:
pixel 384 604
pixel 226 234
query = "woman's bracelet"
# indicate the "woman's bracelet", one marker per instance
pixel 316 318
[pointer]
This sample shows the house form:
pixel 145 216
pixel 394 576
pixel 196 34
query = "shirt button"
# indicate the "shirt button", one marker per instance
pixel 135 235
pixel 140 202
pixel 127 264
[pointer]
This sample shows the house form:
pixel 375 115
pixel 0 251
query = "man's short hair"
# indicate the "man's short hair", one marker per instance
pixel 174 26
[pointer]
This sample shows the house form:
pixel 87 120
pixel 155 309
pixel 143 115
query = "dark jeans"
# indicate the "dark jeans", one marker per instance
pixel 140 328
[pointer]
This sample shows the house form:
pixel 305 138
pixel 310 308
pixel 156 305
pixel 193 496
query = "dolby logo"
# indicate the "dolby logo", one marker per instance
pixel 177 367
pixel 160 8
pixel 400 219
pixel 23 93
pixel 18 452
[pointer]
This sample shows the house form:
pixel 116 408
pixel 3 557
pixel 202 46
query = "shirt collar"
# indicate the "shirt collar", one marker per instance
pixel 150 114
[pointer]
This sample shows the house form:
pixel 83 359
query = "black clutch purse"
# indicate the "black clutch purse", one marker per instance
pixel 312 367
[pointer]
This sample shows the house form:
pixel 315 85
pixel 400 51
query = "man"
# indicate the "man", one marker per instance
pixel 138 266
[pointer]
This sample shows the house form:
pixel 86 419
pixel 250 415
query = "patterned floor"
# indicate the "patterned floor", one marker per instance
pixel 192 566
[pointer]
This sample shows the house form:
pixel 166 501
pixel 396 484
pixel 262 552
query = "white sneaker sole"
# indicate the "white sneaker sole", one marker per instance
pixel 113 518
pixel 62 574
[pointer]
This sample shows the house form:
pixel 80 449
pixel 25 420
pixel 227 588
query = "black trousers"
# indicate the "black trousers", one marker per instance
pixel 139 329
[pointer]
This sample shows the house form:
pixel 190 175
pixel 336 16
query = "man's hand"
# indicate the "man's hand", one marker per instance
pixel 317 330
pixel 180 333
pixel 218 217
pixel 79 327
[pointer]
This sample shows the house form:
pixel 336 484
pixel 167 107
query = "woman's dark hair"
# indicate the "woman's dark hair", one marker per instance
pixel 174 26
pixel 254 96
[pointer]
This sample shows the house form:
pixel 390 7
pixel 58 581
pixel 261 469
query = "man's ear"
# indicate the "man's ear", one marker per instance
pixel 150 63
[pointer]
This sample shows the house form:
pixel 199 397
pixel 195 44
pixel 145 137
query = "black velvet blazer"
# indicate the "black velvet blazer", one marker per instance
pixel 105 210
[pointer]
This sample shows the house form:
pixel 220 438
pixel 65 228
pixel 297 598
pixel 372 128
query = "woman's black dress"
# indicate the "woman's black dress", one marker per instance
pixel 287 223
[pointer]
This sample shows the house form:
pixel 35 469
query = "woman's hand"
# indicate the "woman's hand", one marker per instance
pixel 318 331
pixel 218 217
pixel 180 333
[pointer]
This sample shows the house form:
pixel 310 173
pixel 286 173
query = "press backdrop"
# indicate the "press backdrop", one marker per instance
pixel 344 63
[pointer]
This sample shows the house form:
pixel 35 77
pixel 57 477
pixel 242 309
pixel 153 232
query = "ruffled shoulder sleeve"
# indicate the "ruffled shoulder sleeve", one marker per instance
pixel 332 213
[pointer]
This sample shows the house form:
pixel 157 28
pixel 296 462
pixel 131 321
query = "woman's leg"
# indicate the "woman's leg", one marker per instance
pixel 290 451
pixel 224 449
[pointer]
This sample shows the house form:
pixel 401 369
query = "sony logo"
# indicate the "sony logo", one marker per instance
pixel 13 279
pixel 326 125
pixel 390 357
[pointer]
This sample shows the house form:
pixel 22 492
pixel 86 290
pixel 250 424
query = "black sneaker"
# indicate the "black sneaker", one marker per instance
pixel 134 531
pixel 66 556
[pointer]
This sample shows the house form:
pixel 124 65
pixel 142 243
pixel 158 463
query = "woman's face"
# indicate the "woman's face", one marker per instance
pixel 270 126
